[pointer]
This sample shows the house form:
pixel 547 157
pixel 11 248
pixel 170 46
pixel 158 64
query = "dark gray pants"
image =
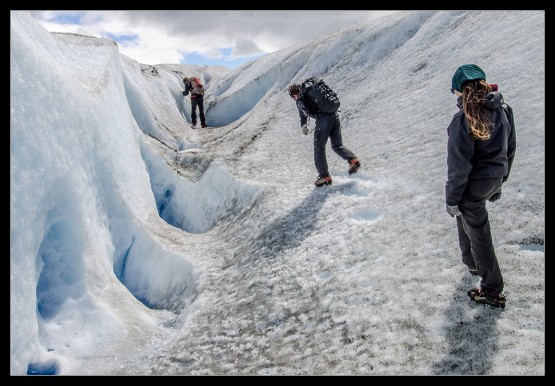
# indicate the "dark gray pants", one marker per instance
pixel 198 101
pixel 328 126
pixel 475 234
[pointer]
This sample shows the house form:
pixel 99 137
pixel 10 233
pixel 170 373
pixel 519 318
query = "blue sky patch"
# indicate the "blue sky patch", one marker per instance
pixel 202 60
pixel 121 38
pixel 68 18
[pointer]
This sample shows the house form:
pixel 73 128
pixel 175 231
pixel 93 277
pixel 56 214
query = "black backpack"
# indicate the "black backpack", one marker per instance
pixel 318 97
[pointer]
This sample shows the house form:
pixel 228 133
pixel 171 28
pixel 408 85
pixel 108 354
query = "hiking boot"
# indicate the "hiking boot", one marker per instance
pixel 354 165
pixel 194 123
pixel 473 271
pixel 323 181
pixel 204 125
pixel 494 300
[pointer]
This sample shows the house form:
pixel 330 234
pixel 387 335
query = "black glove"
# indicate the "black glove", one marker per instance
pixel 496 196
pixel 453 210
pixel 185 93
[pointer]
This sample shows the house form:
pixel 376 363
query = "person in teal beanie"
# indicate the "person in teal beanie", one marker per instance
pixel 480 151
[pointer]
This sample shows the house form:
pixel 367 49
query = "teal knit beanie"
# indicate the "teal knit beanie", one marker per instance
pixel 465 73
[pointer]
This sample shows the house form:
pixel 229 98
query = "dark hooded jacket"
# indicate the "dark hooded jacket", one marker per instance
pixel 469 158
pixel 304 114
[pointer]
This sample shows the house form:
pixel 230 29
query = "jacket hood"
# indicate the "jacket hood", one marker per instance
pixel 493 100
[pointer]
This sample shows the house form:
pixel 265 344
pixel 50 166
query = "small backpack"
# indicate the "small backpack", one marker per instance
pixel 198 87
pixel 319 97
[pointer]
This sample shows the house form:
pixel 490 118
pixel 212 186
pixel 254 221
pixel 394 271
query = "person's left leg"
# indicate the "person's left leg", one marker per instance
pixel 194 104
pixel 337 140
pixel 200 104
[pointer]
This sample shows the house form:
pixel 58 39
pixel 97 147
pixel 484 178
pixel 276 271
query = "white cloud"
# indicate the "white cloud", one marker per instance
pixel 163 36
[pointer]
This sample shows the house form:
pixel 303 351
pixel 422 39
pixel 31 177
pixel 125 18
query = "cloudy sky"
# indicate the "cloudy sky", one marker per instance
pixel 141 246
pixel 225 37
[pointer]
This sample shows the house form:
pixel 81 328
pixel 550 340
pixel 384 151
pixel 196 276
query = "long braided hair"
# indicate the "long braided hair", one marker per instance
pixel 474 95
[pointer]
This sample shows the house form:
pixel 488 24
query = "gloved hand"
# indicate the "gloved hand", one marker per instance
pixel 305 129
pixel 496 196
pixel 185 92
pixel 453 210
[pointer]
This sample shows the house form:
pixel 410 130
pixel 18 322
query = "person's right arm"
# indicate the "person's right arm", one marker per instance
pixel 188 88
pixel 512 141
pixel 303 112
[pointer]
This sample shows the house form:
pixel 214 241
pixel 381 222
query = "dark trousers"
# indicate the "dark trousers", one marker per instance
pixel 198 101
pixel 328 126
pixel 475 234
